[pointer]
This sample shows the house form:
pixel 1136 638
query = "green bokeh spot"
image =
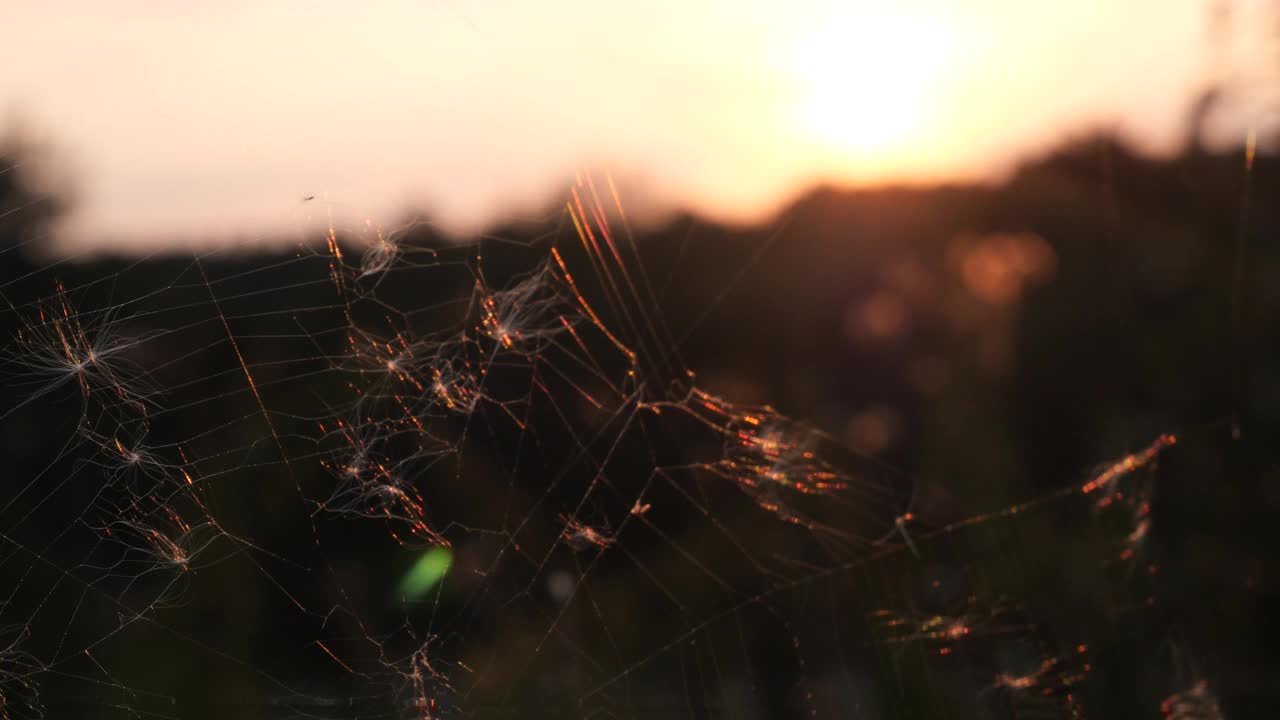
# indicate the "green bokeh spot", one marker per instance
pixel 429 570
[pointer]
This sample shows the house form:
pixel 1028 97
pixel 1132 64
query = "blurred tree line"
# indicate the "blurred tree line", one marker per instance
pixel 991 342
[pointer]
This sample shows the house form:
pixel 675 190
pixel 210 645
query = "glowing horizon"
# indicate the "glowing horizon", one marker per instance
pixel 212 124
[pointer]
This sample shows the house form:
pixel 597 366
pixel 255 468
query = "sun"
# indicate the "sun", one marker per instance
pixel 864 83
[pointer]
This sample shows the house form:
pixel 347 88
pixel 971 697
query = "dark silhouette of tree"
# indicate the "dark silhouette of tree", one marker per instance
pixel 26 209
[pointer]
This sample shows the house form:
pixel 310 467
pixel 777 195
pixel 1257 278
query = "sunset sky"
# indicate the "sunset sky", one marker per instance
pixel 211 122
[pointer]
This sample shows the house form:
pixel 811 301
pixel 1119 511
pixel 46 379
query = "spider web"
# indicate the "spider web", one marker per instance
pixel 384 479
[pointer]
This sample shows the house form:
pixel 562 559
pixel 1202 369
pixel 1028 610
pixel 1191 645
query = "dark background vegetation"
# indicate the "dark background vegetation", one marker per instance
pixel 1153 310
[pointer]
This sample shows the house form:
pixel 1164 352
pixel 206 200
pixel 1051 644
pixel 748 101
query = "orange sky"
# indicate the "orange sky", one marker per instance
pixel 179 123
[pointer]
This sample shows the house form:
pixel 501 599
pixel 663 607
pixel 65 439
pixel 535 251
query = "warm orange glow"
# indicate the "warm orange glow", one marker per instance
pixel 866 81
pixel 728 109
